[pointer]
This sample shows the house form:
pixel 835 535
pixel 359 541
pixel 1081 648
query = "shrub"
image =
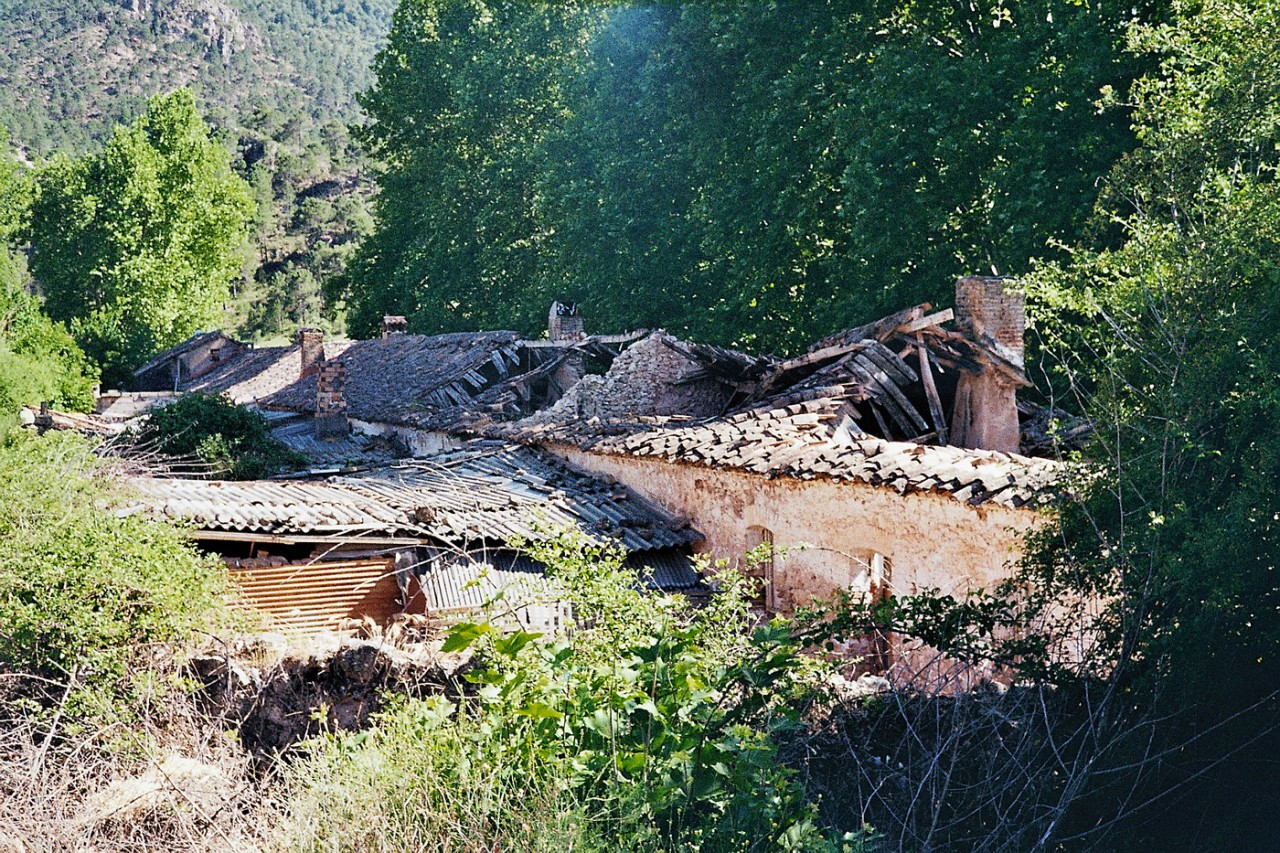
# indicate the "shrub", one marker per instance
pixel 235 441
pixel 84 591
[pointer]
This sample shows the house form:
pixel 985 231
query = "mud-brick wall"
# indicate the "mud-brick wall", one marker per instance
pixel 928 539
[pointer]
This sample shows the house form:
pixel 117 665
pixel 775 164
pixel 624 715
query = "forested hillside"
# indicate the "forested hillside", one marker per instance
pixel 275 80
pixel 70 70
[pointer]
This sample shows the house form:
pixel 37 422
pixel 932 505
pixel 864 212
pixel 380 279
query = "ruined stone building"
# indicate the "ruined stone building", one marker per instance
pixel 885 459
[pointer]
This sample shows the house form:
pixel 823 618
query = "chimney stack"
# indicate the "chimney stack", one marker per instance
pixel 990 311
pixel 331 404
pixel 986 406
pixel 311 344
pixel 564 322
pixel 393 324
pixel 564 325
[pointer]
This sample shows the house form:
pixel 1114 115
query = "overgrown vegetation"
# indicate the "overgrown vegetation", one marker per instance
pixel 86 594
pixel 234 442
pixel 650 726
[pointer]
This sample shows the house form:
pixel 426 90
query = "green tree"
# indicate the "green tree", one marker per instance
pixel 134 247
pixel 1172 340
pixel 756 174
pixel 466 90
pixel 38 358
pixel 1168 342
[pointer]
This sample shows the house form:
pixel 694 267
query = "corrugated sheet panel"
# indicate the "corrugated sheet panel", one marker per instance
pixel 469 584
pixel 485 493
pixel 668 570
pixel 315 597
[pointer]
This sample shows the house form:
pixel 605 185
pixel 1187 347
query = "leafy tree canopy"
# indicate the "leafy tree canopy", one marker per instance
pixel 38 358
pixel 134 246
pixel 756 174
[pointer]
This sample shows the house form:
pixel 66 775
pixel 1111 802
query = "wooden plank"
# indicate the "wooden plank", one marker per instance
pixel 884 427
pixel 931 390
pixel 894 401
pixel 877 330
pixel 928 320
pixel 890 363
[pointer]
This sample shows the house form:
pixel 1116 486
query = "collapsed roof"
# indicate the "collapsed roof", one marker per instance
pixel 487 493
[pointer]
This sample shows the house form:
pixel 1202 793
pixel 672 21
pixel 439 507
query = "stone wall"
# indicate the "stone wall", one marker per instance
pixel 641 381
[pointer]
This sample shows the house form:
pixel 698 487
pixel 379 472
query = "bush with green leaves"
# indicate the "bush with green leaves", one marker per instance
pixel 85 592
pixel 236 442
pixel 650 726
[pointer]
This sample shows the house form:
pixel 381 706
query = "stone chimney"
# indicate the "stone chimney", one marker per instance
pixel 311 344
pixel 986 407
pixel 331 404
pixel 393 324
pixel 564 322
pixel 564 325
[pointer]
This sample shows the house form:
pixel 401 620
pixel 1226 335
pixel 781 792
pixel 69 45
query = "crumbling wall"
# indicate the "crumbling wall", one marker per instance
pixel 827 533
pixel 273 704
pixel 644 380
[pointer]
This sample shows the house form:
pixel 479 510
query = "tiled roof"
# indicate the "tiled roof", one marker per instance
pixel 401 378
pixel 252 374
pixel 806 441
pixel 180 349
pixel 488 492
pixel 297 432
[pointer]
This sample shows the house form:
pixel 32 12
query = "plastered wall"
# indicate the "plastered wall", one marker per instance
pixel 927 539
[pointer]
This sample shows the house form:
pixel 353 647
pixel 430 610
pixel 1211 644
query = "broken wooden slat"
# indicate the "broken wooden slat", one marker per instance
pixel 878 330
pixel 928 320
pixel 931 390
pixel 890 363
pixel 894 401
pixel 884 427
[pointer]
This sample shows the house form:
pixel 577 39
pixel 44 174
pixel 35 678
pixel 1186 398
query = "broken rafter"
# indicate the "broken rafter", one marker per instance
pixel 879 330
pixel 935 319
pixel 931 390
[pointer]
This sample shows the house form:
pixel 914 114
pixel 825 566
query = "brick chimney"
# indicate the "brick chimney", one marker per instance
pixel 991 312
pixel 986 408
pixel 393 324
pixel 331 404
pixel 311 345
pixel 564 325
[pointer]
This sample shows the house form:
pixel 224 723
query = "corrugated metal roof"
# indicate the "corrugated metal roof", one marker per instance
pixel 472 581
pixel 487 492
pixel 313 597
pixel 469 583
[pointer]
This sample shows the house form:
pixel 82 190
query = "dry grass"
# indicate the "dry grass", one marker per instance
pixel 153 775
